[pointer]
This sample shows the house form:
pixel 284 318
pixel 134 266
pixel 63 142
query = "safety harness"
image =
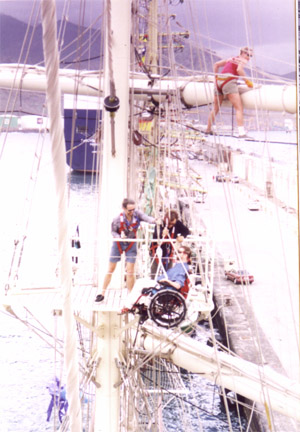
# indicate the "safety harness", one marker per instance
pixel 230 67
pixel 225 81
pixel 125 226
pixel 186 287
pixel 167 248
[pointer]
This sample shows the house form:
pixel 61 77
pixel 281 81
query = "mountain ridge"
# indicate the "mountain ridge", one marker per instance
pixel 13 31
pixel 13 42
pixel 15 37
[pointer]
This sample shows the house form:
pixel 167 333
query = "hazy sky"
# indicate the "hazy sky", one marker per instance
pixel 269 26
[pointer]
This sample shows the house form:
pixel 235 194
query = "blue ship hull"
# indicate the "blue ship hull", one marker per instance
pixel 82 150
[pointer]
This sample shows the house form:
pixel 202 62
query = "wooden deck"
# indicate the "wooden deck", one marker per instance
pixel 51 299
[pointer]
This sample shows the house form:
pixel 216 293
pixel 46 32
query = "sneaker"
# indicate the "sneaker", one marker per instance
pixel 99 298
pixel 208 132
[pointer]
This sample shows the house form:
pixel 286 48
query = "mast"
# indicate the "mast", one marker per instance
pixel 152 53
pixel 113 181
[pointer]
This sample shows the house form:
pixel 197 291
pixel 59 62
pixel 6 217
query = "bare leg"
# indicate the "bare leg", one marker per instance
pixel 236 101
pixel 107 278
pixel 218 99
pixel 130 275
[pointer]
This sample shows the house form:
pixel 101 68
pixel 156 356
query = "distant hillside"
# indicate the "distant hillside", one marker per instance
pixel 88 45
pixel 12 34
pixel 290 76
pixel 13 31
pixel 22 103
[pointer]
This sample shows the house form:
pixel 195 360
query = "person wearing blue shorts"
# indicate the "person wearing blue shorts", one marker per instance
pixel 124 227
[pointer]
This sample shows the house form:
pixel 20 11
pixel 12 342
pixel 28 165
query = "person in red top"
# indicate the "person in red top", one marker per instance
pixel 226 86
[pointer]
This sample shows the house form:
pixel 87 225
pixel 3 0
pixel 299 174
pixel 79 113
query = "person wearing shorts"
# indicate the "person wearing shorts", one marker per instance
pixel 115 254
pixel 124 228
pixel 226 86
pixel 229 87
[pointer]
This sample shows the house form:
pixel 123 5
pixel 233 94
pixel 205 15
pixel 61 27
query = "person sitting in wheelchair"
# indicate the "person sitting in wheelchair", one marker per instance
pixel 176 278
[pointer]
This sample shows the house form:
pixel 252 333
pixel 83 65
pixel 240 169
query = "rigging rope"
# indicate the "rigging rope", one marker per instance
pixel 58 154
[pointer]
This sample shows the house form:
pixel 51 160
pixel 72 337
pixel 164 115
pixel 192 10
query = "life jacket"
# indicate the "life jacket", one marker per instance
pixel 125 226
pixel 186 287
pixel 169 249
pixel 166 246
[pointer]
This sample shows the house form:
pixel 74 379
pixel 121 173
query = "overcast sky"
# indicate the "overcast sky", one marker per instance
pixel 269 26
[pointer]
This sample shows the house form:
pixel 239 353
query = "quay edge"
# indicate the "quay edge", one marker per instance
pixel 237 326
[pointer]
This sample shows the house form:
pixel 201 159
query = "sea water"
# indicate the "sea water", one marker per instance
pixel 27 363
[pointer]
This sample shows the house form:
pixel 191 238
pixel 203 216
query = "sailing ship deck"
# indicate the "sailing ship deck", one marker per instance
pixel 51 299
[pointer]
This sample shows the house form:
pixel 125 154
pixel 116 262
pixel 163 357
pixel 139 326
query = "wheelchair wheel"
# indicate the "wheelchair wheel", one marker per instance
pixel 167 308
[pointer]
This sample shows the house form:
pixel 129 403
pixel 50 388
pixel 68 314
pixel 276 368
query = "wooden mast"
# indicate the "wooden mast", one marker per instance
pixel 113 181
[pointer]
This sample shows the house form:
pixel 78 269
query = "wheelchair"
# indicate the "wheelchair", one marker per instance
pixel 164 305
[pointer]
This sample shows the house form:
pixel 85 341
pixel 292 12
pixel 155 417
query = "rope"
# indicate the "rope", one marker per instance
pixel 58 154
pixel 12 98
pixel 110 61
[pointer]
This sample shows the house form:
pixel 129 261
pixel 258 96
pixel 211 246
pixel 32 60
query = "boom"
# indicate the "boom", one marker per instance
pixel 196 92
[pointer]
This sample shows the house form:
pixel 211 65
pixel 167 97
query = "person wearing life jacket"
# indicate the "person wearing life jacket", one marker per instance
pixel 171 229
pixel 124 227
pixel 226 87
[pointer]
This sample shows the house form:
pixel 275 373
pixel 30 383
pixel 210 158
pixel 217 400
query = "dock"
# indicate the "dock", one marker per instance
pixel 258 322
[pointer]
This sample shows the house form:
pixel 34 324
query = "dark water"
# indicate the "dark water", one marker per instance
pixel 203 400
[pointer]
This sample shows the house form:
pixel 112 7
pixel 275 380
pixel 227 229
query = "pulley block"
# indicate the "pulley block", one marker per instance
pixel 111 103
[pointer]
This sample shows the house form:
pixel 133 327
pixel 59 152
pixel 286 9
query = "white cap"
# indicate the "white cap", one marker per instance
pixel 247 50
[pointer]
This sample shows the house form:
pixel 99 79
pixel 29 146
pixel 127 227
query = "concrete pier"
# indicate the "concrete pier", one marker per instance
pixel 259 322
pixel 244 336
pixel 277 181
